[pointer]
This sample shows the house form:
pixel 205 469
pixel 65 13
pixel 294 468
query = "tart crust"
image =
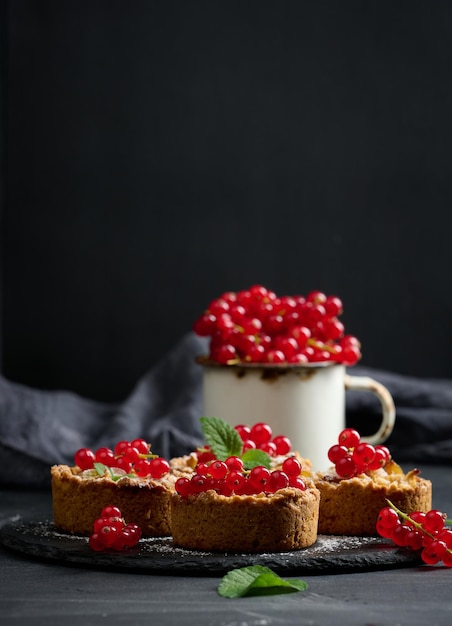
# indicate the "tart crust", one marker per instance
pixel 283 521
pixel 352 506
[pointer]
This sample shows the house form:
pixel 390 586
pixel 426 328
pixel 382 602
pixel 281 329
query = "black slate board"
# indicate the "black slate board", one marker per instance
pixel 330 554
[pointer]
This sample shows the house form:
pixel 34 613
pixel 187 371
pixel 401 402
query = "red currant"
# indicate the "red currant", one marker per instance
pixel 260 433
pixel 158 467
pixel 85 458
pixel 234 463
pixel 218 470
pixel 291 466
pixel 433 521
pixel 105 456
pixel 363 454
pixel 110 511
pixel 141 445
pixel 259 478
pixel 349 438
pixel 278 480
pixel 346 467
pixel 337 452
pixel 283 444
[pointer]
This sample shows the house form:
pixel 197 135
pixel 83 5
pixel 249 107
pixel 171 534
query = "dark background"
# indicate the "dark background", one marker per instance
pixel 156 154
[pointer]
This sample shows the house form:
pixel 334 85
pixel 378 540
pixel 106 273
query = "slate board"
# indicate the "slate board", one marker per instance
pixel 330 554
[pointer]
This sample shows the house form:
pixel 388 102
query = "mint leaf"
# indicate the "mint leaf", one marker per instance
pixel 100 468
pixel 254 457
pixel 256 580
pixel 222 438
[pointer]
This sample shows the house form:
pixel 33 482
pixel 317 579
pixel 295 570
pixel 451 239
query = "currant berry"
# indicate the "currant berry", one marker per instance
pixel 183 486
pixel 142 467
pixel 337 452
pixel 96 543
pixel 218 470
pixel 363 454
pixel 141 445
pixel 434 552
pixel 433 521
pixel 198 483
pixel 235 480
pixel 105 456
pixel 108 535
pixel 110 511
pixel 131 454
pixel 349 438
pixel 260 433
pixel 346 467
pixel 122 463
pixel 291 466
pixel 283 444
pixel 85 458
pixel 380 459
pixel 249 444
pixel 388 518
pixel 159 467
pixel 297 483
pixel 226 354
pixel 269 447
pixel 120 447
pixel 244 431
pixel 278 480
pixel 259 478
pixel 234 463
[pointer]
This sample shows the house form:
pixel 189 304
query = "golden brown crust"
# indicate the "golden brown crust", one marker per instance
pixel 286 520
pixel 78 501
pixel 351 507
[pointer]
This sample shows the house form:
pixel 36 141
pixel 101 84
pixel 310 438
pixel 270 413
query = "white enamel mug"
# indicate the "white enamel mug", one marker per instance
pixel 305 403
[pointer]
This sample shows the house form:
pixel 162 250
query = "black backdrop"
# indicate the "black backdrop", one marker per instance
pixel 159 153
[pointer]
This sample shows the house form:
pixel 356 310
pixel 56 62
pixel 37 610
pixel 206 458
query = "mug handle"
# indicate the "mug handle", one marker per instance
pixel 364 383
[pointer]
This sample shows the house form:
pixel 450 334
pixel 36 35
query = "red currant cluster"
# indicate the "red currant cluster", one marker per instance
pixel 257 326
pixel 130 456
pixel 352 457
pixel 426 532
pixel 111 532
pixel 229 478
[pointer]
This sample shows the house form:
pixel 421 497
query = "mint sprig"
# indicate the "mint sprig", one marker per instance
pixel 222 438
pixel 257 580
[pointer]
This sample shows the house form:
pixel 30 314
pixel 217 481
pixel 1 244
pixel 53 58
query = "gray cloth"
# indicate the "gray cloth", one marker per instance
pixel 40 428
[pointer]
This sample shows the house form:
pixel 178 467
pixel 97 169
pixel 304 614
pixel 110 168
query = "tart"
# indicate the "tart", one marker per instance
pixel 278 522
pixel 351 506
pixel 79 495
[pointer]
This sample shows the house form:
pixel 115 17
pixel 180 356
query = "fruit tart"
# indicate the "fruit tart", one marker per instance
pixel 129 477
pixel 245 495
pixel 359 484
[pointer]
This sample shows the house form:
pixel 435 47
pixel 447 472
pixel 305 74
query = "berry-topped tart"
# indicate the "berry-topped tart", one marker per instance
pixel 248 492
pixel 129 477
pixel 359 484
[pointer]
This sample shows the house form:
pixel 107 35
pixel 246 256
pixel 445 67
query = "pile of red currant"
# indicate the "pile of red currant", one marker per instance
pixel 257 326
pixel 257 437
pixel 229 477
pixel 131 456
pixel 427 532
pixel 111 532
pixel 352 457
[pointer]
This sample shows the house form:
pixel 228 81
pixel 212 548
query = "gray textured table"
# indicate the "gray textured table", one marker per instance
pixel 38 592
